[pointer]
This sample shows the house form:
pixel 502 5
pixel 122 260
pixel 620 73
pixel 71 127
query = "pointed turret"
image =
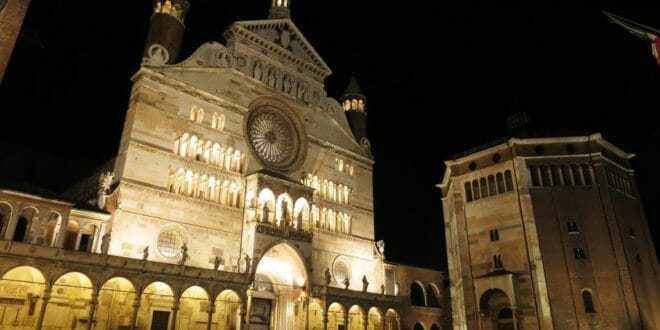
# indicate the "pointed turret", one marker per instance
pixel 354 103
pixel 166 31
pixel 280 9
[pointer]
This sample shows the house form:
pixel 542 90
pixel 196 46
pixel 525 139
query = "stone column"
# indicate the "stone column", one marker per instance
pixel 365 321
pixel 13 220
pixel 248 309
pixel 45 298
pixel 136 308
pixel 325 319
pixel 92 309
pixel 62 234
pixel 241 317
pixel 515 319
pixel 346 319
pixel 210 312
pixel 175 310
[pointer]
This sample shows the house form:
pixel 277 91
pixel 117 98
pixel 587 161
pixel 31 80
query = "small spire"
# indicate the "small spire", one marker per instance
pixel 353 98
pixel 280 9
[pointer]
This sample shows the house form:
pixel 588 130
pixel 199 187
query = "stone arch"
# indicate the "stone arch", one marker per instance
pixel 392 320
pixel 417 294
pixel 281 276
pixel 24 284
pixel 24 224
pixel 227 305
pixel 374 319
pixel 193 308
pixel 115 305
pixel 71 235
pixel 6 211
pixel 336 315
pixel 69 302
pixel 156 303
pixel 496 310
pixel 315 315
pixel 588 301
pixel 432 296
pixel 284 209
pixel 418 326
pixel 435 327
pixel 301 214
pixel 355 318
pixel 267 205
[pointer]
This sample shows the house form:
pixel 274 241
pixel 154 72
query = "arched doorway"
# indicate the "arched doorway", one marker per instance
pixel 116 299
pixel 226 309
pixel 391 320
pixel 156 305
pixel 336 316
pixel 496 312
pixel 20 290
pixel 374 319
pixel 355 318
pixel 193 309
pixel 280 280
pixel 68 307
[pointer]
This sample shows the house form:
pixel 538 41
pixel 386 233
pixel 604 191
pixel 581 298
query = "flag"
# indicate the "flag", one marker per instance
pixel 641 31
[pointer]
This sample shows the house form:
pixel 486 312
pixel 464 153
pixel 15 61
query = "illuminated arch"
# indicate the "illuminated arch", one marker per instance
pixel 355 318
pixel 392 319
pixel 227 305
pixel 283 206
pixel 69 290
pixel 336 315
pixel 301 214
pixel 375 318
pixel 114 307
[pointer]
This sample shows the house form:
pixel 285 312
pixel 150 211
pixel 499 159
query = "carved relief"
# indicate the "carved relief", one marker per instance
pixel 223 60
pixel 257 71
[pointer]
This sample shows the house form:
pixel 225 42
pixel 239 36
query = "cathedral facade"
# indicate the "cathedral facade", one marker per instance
pixel 548 233
pixel 240 198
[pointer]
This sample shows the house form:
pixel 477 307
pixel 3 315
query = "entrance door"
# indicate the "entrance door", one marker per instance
pixel 260 315
pixel 160 320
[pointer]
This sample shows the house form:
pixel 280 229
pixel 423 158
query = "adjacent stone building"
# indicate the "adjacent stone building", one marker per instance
pixel 241 197
pixel 548 233
pixel 12 13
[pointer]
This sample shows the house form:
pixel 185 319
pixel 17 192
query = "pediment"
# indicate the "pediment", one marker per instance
pixel 281 36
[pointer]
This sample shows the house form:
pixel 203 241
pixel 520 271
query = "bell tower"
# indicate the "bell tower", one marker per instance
pixel 280 9
pixel 355 104
pixel 166 28
pixel 12 13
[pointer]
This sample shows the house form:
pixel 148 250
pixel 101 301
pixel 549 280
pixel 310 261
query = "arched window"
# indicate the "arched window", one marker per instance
pixel 588 301
pixel 533 171
pixel 432 296
pixel 508 180
pixel 577 175
pixel 545 176
pixel 586 173
pixel 500 183
pixel 417 295
pixel 435 327
pixel 20 233
pixel 556 178
pixel 492 190
pixel 567 175
pixel 468 192
pixel 418 326
pixel 475 189
pixel 483 187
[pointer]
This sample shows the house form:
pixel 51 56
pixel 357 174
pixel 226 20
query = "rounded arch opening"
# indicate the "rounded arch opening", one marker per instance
pixel 418 326
pixel 116 298
pixel 392 319
pixel 417 294
pixel 355 318
pixel 336 315
pixel 156 302
pixel 25 284
pixel 374 318
pixel 69 301
pixel 495 308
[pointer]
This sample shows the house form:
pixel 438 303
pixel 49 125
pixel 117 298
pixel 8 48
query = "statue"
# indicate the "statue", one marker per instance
pixel 216 263
pixel 105 242
pixel 365 283
pixel 285 213
pixel 381 247
pixel 300 220
pixel 184 254
pixel 382 289
pixel 258 73
pixel 247 264
pixel 272 78
pixel 328 277
pixel 346 283
pixel 287 83
pixel 104 184
pixel 145 253
pixel 264 215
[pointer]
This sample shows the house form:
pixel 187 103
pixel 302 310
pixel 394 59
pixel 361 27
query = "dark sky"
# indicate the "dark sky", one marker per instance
pixel 440 79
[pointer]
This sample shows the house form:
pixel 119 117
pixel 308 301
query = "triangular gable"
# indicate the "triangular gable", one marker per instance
pixel 284 35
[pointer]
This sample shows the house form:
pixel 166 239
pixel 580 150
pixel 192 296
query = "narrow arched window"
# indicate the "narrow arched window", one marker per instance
pixel 468 192
pixel 536 180
pixel 483 187
pixel 417 295
pixel 508 180
pixel 500 183
pixel 475 189
pixel 588 301
pixel 586 173
pixel 492 189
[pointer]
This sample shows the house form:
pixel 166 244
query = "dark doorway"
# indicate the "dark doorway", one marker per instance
pixel 21 230
pixel 260 317
pixel 160 320
pixel 84 243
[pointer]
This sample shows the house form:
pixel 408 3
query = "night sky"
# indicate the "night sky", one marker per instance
pixel 440 78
